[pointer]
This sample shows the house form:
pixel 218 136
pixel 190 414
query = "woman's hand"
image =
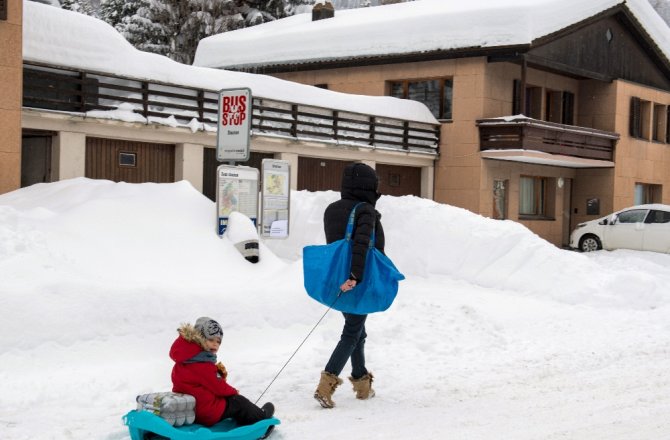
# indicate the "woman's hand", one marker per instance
pixel 348 285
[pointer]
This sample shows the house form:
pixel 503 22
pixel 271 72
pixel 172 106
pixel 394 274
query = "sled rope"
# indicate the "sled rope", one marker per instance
pixel 299 346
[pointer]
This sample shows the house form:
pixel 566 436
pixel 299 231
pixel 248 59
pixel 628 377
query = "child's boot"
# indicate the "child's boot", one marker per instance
pixel 269 409
pixel 363 386
pixel 324 391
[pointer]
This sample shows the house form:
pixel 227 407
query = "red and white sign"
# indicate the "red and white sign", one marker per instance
pixel 234 127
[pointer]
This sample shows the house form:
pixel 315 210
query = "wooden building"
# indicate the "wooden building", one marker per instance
pixel 98 119
pixel 552 114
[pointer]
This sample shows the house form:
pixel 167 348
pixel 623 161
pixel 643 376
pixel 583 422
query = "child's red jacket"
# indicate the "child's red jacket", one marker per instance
pixel 199 379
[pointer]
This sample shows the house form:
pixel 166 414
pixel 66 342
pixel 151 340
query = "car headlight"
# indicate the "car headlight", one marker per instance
pixel 581 225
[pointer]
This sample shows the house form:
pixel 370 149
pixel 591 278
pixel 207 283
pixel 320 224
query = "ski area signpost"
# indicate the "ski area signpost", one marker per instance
pixel 275 201
pixel 234 126
pixel 237 190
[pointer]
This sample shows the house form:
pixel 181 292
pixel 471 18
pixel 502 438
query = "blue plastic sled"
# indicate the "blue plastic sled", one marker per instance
pixel 142 422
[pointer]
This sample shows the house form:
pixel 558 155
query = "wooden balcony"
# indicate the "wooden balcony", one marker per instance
pixel 78 91
pixel 522 133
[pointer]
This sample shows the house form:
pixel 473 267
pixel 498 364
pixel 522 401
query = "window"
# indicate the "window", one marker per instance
pixel 656 216
pixel 127 159
pixel 500 199
pixel 532 196
pixel 632 216
pixel 437 94
pixel 558 106
pixel 660 118
pixel 646 193
pixel 640 118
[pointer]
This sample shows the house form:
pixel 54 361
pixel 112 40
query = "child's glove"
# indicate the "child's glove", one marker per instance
pixel 222 370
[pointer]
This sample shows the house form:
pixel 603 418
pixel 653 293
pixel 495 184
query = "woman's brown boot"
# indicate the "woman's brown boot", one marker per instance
pixel 363 386
pixel 327 385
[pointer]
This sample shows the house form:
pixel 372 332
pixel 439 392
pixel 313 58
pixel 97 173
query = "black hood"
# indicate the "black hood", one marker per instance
pixel 359 182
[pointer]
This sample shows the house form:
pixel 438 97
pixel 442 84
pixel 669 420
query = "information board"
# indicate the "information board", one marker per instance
pixel 236 190
pixel 234 126
pixel 275 198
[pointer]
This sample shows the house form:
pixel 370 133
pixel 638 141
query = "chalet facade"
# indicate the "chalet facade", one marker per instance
pixel 565 127
pixel 100 119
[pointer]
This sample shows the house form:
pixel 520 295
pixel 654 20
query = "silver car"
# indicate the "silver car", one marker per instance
pixel 641 227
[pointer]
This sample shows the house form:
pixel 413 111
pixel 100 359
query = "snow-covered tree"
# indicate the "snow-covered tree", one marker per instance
pixel 174 27
pixel 81 6
pixel 114 11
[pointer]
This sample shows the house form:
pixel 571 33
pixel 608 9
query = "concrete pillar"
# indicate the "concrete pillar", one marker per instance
pixel 427 182
pixel 371 163
pixel 188 163
pixel 292 159
pixel 68 158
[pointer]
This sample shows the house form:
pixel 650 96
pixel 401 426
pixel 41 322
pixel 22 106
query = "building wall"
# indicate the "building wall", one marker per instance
pixel 480 90
pixel 457 172
pixel 639 160
pixel 72 132
pixel 10 97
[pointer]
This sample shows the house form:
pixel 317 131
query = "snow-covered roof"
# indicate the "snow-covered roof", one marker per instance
pixel 57 37
pixel 412 27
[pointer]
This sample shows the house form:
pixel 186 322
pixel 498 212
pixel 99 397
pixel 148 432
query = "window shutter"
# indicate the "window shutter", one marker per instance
pixel 3 9
pixel 635 117
pixel 516 97
pixel 568 116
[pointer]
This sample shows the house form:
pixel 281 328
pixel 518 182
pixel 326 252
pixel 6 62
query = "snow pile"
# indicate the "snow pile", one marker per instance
pixel 492 323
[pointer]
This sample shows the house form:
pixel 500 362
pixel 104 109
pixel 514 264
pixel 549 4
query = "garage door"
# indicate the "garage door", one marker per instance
pixel 397 180
pixel 129 161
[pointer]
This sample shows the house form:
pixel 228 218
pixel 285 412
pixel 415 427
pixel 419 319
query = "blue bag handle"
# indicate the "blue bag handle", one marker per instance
pixel 350 226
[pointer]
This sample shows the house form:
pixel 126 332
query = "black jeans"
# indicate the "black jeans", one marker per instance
pixel 351 345
pixel 240 409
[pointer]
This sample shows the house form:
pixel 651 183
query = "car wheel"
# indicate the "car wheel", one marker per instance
pixel 589 243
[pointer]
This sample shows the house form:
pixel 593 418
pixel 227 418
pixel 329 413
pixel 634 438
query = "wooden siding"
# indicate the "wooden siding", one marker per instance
pixel 209 165
pixel 609 48
pixel 548 137
pixel 320 174
pixel 154 162
pixel 397 180
pixel 326 174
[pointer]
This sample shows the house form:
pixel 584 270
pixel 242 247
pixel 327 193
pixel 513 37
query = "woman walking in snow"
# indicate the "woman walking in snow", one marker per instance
pixel 359 184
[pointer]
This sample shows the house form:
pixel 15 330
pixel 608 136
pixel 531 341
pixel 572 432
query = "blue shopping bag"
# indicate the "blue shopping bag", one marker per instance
pixel 326 267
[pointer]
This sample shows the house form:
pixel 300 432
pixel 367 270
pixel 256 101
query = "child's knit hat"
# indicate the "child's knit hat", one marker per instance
pixel 208 328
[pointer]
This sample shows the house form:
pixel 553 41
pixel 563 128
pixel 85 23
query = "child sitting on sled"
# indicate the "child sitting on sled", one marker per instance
pixel 196 372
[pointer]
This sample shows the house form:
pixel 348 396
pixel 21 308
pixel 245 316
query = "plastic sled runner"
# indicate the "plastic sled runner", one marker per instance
pixel 141 423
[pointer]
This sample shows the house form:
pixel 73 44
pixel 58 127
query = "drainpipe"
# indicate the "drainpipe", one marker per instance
pixel 522 86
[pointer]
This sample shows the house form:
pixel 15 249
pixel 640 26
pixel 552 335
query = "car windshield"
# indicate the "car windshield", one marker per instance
pixel 632 216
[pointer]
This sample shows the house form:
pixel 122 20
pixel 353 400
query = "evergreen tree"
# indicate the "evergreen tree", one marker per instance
pixel 174 27
pixel 114 11
pixel 261 11
pixel 81 6
pixel 142 32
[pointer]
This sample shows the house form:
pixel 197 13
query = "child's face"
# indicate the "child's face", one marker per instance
pixel 212 345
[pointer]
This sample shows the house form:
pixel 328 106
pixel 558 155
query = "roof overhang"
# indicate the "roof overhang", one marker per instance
pixel 541 158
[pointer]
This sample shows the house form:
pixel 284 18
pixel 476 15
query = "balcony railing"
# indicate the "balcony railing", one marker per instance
pixel 531 134
pixel 55 88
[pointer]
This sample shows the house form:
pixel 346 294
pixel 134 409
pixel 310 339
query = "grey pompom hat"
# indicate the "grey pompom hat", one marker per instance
pixel 208 328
